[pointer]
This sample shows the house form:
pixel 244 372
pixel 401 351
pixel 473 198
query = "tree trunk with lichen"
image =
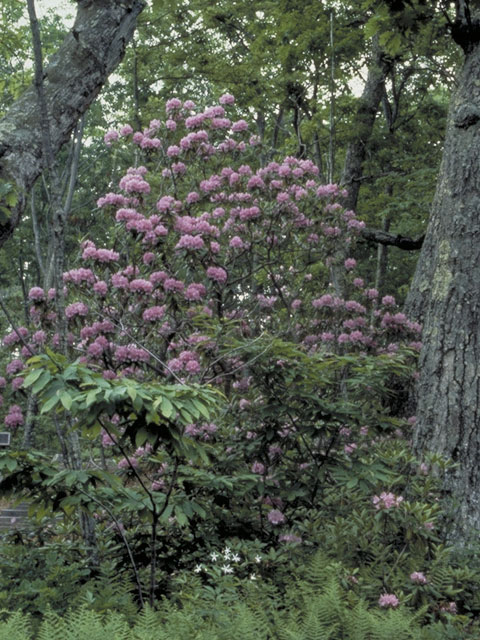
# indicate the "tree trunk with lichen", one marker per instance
pixel 73 79
pixel 445 296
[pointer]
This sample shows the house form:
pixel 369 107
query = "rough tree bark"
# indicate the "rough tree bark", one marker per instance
pixel 73 79
pixel 445 295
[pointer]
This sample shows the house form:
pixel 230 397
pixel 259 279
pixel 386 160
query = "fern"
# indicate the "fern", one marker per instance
pixel 16 627
pixel 315 607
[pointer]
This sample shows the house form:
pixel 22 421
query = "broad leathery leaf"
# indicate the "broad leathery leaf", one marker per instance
pixel 66 399
pixel 32 377
pixel 166 407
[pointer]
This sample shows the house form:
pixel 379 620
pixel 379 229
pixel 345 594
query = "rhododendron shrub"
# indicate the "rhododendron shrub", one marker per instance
pixel 219 273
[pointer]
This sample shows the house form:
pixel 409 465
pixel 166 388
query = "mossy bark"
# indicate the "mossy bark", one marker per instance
pixel 445 296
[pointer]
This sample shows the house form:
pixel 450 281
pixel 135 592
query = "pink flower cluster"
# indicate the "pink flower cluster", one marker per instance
pixel 14 417
pixel 418 577
pixel 387 500
pixel 388 600
pixel 205 430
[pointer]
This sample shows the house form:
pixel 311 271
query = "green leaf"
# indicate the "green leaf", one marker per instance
pixel 32 377
pixel 49 404
pixel 66 399
pixel 166 407
pixel 42 382
pixel 180 516
pixel 141 437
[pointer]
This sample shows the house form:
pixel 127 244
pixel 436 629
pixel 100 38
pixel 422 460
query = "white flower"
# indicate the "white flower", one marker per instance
pixel 214 556
pixel 258 559
pixel 226 553
pixel 253 576
pixel 236 557
pixel 198 568
pixel 227 569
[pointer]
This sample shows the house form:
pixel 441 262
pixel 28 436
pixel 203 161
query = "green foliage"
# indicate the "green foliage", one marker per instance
pixel 158 411
pixel 315 606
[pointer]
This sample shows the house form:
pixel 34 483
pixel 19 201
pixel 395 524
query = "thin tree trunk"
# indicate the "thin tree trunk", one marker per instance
pixel 69 439
pixel 362 126
pixel 382 260
pixel 331 143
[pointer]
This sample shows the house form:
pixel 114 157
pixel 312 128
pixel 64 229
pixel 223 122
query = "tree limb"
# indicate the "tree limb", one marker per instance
pixel 392 239
pixel 72 80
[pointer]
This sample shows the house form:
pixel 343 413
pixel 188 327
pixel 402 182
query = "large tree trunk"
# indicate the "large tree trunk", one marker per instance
pixel 73 79
pixel 445 294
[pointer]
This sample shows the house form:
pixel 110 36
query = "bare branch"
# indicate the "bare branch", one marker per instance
pixel 392 239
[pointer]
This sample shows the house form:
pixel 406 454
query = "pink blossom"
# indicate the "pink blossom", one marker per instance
pixel 17 383
pixel 39 337
pixel 127 463
pixel 141 285
pixel 76 309
pixel 327 336
pixel 179 168
pixel 110 136
pixel 350 263
pixel 236 243
pixel 77 276
pixel 358 282
pixel 192 197
pixel 100 287
pixel 240 125
pixel 388 600
pixel 449 607
pixel 170 284
pixel 126 130
pixel 14 417
pixel 173 104
pixel 192 366
pixel 327 190
pixel 290 538
pixel 173 151
pixel 258 467
pixel 165 203
pixel 275 516
pixel 195 292
pixel 114 199
pixel 119 281
pixel 418 577
pixel 388 301
pixel 387 500
pixel 106 255
pixel 131 353
pixel 15 336
pixel 190 242
pixel 226 98
pixel 255 182
pixel 153 313
pixel 37 294
pixel 218 274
